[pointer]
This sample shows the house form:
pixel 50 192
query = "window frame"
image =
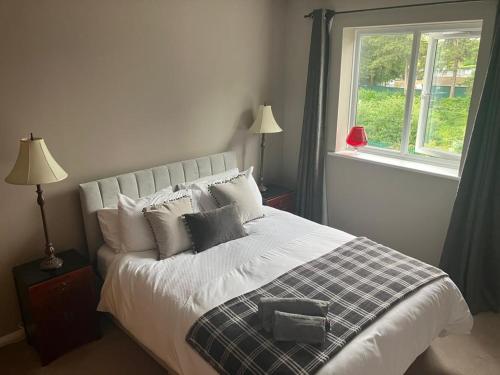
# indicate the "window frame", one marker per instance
pixel 441 159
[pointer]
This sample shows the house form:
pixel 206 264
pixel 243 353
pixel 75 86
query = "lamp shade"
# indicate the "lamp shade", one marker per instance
pixel 357 137
pixel 265 122
pixel 35 165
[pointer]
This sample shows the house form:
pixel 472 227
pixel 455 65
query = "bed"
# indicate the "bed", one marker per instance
pixel 156 302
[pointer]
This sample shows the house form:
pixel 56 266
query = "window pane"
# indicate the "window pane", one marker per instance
pixel 445 93
pixel 383 72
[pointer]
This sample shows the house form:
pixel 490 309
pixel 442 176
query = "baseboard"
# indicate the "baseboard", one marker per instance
pixel 12 337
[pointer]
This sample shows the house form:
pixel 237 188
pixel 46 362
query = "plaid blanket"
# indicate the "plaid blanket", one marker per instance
pixel 362 279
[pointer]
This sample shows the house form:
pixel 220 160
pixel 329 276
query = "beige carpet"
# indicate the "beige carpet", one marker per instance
pixel 115 353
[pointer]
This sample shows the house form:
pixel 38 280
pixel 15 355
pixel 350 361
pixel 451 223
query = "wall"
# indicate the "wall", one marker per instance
pixel 406 210
pixel 119 85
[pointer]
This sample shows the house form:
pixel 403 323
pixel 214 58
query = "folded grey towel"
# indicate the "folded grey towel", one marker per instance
pixel 300 328
pixel 304 306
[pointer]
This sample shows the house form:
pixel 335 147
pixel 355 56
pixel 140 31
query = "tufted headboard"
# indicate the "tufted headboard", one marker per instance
pixel 102 193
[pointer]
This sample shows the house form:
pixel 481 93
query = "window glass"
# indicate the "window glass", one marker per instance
pixel 446 95
pixel 383 72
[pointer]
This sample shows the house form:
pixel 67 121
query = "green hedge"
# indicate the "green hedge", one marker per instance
pixel 382 113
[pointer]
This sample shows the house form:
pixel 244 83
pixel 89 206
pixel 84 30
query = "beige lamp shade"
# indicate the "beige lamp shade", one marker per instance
pixel 35 165
pixel 265 122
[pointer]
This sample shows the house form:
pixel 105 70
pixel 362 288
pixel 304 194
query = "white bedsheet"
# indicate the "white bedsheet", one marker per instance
pixel 158 301
pixel 105 257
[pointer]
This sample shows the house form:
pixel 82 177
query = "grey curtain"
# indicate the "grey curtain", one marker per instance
pixel 471 254
pixel 311 202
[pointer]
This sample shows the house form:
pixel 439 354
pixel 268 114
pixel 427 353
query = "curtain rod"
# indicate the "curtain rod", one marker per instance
pixel 399 7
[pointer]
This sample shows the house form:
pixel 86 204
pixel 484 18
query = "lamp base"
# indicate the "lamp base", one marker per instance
pixel 51 263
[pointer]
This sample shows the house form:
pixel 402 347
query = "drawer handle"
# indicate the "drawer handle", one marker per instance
pixel 63 286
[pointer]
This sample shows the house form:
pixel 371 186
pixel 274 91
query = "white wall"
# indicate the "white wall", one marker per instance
pixel 403 209
pixel 120 85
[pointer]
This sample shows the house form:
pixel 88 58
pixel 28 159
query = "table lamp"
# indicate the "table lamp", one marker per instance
pixel 263 124
pixel 357 137
pixel 35 166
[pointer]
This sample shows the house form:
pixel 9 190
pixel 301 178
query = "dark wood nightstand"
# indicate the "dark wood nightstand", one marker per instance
pixel 58 307
pixel 279 197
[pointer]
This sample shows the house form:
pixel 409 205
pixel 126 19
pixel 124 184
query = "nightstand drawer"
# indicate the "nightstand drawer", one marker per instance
pixel 54 290
pixel 58 307
pixel 63 296
pixel 284 202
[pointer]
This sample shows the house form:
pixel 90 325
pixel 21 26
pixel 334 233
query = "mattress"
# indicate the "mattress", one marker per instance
pixel 106 256
pixel 158 301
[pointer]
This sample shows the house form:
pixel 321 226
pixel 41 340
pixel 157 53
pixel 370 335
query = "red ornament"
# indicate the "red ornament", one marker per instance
pixel 357 137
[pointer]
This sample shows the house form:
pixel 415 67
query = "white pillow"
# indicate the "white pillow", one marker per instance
pixel 201 199
pixel 110 228
pixel 210 179
pixel 135 231
pixel 253 185
pixel 238 190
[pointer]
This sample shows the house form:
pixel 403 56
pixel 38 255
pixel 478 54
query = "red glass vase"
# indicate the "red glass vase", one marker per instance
pixel 357 137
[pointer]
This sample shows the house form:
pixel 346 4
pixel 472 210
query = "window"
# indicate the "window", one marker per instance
pixel 412 89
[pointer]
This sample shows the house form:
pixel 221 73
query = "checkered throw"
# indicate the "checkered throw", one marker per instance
pixel 361 279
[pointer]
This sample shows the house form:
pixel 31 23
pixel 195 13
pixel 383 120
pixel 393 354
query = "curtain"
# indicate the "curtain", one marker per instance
pixel 471 254
pixel 311 194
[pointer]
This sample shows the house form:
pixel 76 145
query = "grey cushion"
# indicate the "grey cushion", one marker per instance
pixel 210 228
pixel 238 190
pixel 300 328
pixel 168 227
pixel 305 306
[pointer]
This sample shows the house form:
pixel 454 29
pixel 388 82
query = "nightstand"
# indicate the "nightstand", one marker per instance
pixel 58 307
pixel 279 197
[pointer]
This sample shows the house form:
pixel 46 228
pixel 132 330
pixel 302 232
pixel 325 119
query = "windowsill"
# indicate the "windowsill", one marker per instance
pixel 413 166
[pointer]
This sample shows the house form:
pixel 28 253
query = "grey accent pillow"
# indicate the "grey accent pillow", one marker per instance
pixel 238 190
pixel 211 228
pixel 168 226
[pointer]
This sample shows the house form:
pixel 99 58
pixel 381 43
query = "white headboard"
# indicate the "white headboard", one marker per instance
pixel 102 193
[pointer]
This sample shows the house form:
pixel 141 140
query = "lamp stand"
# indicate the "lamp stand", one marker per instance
pixel 51 262
pixel 262 187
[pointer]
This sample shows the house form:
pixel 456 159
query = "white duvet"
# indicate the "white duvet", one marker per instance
pixel 158 301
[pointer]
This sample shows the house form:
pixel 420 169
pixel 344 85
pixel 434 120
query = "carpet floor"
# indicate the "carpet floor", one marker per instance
pixel 116 353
